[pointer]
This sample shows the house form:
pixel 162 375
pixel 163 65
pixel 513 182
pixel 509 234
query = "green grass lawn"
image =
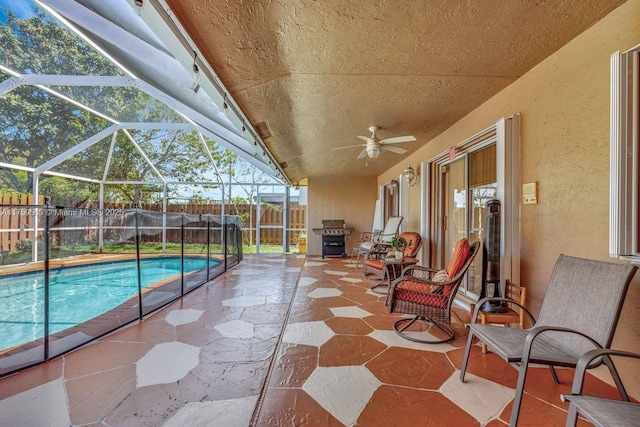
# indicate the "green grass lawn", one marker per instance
pixel 64 251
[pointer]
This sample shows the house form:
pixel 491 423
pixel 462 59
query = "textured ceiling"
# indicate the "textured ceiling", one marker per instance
pixel 321 72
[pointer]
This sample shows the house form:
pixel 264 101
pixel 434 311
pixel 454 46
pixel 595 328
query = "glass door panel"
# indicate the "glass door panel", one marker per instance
pixel 483 187
pixel 466 184
pixel 454 206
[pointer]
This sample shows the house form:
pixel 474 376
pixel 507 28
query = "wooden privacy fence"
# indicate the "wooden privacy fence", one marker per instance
pixel 16 218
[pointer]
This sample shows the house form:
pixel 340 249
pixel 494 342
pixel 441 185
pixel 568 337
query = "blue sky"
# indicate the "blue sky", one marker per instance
pixel 21 8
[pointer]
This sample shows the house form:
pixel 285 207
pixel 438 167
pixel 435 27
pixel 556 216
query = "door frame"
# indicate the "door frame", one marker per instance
pixel 506 132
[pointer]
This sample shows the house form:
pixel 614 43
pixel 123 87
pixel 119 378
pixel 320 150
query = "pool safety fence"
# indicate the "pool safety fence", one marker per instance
pixel 263 223
pixel 76 274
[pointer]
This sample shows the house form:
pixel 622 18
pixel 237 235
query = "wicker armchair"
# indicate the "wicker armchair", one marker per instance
pixel 417 293
pixel 372 264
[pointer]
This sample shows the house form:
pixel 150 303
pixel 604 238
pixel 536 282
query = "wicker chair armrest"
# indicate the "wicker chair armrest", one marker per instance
pixel 375 254
pixel 378 236
pixel 417 271
pixel 381 246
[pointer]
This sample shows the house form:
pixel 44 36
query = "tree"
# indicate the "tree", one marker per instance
pixel 39 125
pixel 42 126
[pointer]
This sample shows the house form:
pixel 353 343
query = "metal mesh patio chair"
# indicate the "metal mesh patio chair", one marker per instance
pixel 599 411
pixel 579 313
pixel 417 292
pixel 369 240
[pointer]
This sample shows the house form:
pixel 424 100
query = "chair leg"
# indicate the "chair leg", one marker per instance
pixel 517 400
pixel 554 374
pixel 446 329
pixel 465 359
pixel 572 416
pixel 377 285
pixel 616 378
pixel 412 321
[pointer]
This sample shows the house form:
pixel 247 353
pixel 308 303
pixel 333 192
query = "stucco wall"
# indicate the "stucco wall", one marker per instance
pixel 564 107
pixel 330 198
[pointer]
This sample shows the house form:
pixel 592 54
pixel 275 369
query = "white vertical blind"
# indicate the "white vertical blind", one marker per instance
pixel 624 149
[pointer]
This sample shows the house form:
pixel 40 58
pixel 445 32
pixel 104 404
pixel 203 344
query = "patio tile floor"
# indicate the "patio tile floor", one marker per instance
pixel 280 341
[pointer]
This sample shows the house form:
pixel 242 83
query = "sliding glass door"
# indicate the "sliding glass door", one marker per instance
pixel 465 185
pixel 453 179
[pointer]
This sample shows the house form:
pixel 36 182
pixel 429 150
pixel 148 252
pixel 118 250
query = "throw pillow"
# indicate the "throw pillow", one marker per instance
pixel 440 276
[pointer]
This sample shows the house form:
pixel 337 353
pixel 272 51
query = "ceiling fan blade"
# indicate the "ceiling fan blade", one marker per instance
pixel 397 150
pixel 349 146
pixel 398 139
pixel 365 138
pixel 362 154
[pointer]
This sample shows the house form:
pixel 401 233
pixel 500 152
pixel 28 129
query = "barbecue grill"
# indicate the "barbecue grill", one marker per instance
pixel 334 237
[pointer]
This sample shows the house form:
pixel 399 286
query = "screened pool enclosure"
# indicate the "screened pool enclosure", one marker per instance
pixel 128 175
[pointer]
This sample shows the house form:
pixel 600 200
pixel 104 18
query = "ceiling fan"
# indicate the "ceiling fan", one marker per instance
pixel 374 146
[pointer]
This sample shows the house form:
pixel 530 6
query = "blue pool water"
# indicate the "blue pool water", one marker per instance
pixel 77 294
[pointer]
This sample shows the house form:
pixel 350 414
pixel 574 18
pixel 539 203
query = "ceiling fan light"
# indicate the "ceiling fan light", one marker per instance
pixel 373 152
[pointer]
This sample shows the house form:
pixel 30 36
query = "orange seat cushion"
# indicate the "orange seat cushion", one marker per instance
pixel 375 263
pixel 459 257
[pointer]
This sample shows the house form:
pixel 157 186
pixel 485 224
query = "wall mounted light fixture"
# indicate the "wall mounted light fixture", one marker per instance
pixel 411 176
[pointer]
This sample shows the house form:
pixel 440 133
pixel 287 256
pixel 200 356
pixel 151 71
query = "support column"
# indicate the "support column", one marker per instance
pixel 164 219
pixel 101 219
pixel 258 213
pixel 34 240
pixel 286 224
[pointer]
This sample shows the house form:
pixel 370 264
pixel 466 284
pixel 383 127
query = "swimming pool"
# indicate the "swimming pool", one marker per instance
pixel 77 294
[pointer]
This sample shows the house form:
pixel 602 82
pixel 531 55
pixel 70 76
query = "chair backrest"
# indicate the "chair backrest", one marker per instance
pixel 585 295
pixel 458 258
pixel 457 279
pixel 391 228
pixel 415 240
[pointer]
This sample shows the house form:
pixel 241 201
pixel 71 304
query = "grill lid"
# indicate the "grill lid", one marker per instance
pixel 333 223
